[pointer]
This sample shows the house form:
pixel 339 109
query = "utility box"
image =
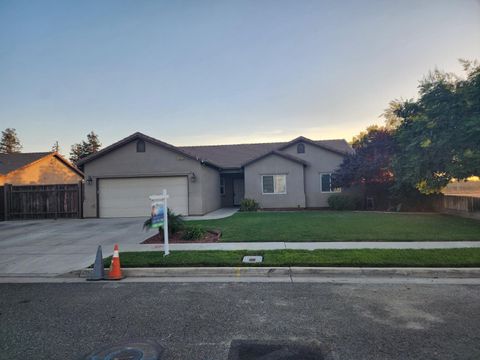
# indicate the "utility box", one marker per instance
pixel 252 259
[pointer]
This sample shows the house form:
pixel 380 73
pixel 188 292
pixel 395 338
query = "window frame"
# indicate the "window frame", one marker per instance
pixel 140 141
pixel 273 178
pixel 336 190
pixel 301 146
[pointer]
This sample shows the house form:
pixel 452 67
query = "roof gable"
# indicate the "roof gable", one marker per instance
pixel 140 136
pixel 16 161
pixel 278 153
pixel 340 147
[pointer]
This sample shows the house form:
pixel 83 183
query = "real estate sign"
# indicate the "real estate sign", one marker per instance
pixel 160 216
pixel 158 213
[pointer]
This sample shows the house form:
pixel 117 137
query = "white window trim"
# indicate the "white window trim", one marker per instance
pixel 274 193
pixel 337 190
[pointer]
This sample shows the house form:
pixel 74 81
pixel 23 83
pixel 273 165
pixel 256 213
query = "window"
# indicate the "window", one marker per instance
pixel 222 186
pixel 274 184
pixel 301 148
pixel 140 146
pixel 326 183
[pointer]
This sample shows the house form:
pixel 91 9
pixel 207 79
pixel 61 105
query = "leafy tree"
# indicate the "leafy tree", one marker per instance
pixel 438 138
pixel 85 148
pixel 371 162
pixel 392 120
pixel 10 143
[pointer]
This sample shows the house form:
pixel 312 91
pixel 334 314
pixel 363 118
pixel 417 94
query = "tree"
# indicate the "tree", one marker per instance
pixel 56 147
pixel 371 162
pixel 392 120
pixel 438 138
pixel 10 143
pixel 85 148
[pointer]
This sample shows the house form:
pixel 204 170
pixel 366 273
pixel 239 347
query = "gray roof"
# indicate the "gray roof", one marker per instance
pixel 10 162
pixel 235 156
pixel 225 156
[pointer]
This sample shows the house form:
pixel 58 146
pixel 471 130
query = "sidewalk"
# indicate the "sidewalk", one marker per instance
pixel 306 245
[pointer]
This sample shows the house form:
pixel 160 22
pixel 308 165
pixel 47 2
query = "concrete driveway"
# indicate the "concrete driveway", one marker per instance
pixel 52 247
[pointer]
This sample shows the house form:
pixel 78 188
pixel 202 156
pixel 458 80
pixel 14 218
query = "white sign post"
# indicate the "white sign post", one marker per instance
pixel 159 207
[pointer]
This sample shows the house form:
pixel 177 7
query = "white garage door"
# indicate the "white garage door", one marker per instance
pixel 129 197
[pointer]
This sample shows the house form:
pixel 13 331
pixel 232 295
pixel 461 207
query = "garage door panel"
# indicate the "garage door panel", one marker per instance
pixel 129 197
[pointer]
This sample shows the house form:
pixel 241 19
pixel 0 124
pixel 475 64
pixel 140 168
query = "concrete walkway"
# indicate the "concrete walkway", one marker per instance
pixel 308 245
pixel 217 214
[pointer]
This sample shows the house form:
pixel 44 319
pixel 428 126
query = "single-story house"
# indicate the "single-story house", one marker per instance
pixel 41 168
pixel 199 179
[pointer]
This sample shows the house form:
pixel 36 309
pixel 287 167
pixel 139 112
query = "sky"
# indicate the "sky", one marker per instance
pixel 219 72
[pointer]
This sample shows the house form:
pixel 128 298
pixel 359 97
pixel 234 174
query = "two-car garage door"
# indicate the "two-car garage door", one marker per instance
pixel 128 197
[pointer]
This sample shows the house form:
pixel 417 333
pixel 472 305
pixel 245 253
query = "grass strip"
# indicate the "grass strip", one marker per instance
pixel 466 257
pixel 342 226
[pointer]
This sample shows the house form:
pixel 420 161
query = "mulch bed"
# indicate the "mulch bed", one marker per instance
pixel 210 236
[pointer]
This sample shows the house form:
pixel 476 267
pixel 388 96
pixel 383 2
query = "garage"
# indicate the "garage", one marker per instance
pixel 129 197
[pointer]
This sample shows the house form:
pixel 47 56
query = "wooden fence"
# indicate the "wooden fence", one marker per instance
pixel 468 206
pixel 41 201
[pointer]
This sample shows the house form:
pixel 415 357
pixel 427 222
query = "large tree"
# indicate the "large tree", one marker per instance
pixel 438 138
pixel 371 161
pixel 10 143
pixel 83 149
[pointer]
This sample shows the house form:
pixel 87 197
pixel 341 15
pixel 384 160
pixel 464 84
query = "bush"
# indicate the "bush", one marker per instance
pixel 175 223
pixel 344 202
pixel 193 233
pixel 249 205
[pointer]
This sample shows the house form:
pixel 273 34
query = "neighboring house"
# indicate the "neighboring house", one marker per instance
pixel 44 168
pixel 200 179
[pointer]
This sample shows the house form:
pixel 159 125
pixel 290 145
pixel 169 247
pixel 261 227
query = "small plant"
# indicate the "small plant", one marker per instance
pixel 193 232
pixel 175 223
pixel 344 202
pixel 249 205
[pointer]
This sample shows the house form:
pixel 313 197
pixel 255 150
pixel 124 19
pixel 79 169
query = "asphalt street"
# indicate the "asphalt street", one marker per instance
pixel 202 320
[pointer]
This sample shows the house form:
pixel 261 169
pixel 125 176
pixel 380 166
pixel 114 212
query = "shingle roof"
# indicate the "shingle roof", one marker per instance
pixel 224 156
pixel 10 162
pixel 235 156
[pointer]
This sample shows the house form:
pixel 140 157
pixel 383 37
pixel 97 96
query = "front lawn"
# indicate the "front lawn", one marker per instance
pixel 342 226
pixel 363 257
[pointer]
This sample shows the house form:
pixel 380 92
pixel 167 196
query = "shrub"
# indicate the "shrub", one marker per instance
pixel 344 202
pixel 175 223
pixel 249 205
pixel 193 233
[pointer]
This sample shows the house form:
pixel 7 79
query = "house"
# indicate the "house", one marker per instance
pixel 43 168
pixel 200 179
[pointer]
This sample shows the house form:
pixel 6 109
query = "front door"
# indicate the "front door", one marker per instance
pixel 238 191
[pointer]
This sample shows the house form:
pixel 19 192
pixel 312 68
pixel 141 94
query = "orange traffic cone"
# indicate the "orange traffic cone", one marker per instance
pixel 115 272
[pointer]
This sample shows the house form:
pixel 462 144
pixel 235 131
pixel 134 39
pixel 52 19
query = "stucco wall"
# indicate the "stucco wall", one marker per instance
pixel 320 161
pixel 47 171
pixel 210 189
pixel 155 161
pixel 275 165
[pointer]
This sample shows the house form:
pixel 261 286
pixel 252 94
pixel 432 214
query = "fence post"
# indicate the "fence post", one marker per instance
pixel 5 202
pixel 80 199
pixel 56 201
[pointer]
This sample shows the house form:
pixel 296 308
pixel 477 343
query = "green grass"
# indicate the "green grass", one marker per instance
pixel 363 257
pixel 342 226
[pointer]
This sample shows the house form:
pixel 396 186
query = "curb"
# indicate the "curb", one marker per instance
pixel 291 271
